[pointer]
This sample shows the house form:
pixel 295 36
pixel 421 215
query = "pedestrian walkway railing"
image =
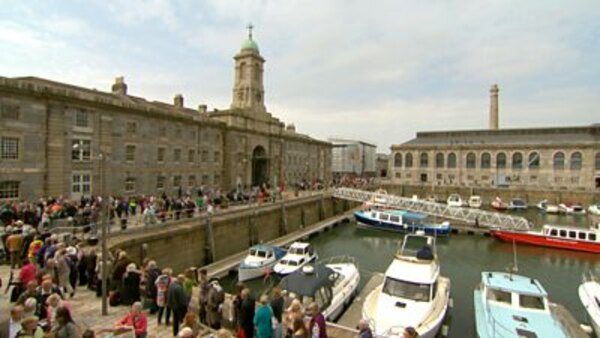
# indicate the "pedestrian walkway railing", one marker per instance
pixel 467 215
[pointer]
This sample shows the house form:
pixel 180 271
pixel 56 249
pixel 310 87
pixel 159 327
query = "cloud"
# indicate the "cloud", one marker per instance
pixel 379 71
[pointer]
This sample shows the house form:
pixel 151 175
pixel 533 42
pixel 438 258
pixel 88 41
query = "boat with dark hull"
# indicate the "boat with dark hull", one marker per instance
pixel 400 221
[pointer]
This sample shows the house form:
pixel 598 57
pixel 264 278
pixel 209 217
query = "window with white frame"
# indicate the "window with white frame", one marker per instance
pixel 80 149
pixel 160 182
pixel 82 119
pixel 9 189
pixel 130 153
pixel 9 148
pixel 130 184
pixel 81 183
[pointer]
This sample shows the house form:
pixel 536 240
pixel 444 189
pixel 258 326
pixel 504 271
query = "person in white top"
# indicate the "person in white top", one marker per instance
pixel 12 325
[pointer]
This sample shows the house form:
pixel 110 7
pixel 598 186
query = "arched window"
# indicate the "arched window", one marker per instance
pixel 424 160
pixel 559 161
pixel 486 161
pixel 576 161
pixel 501 161
pixel 517 161
pixel 471 160
pixel 398 160
pixel 597 161
pixel 534 160
pixel 408 161
pixel 452 160
pixel 439 160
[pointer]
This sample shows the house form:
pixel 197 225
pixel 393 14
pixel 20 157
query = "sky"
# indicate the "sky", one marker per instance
pixel 378 71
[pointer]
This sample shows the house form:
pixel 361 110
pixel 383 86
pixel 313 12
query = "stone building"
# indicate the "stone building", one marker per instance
pixel 382 163
pixel 352 157
pixel 563 158
pixel 58 139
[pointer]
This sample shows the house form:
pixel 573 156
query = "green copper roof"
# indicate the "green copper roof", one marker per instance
pixel 250 44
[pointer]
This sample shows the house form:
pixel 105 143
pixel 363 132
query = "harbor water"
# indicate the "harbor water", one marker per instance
pixel 462 259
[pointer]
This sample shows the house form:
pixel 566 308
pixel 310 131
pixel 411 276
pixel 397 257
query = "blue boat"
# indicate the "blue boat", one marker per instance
pixel 509 305
pixel 400 221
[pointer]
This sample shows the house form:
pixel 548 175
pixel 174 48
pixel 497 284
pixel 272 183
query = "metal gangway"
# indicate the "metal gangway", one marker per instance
pixel 467 215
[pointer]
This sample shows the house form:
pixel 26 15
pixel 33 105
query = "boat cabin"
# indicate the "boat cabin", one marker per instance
pixel 418 247
pixel 399 217
pixel 571 233
pixel 312 283
pixel 301 249
pixel 515 291
pixel 261 251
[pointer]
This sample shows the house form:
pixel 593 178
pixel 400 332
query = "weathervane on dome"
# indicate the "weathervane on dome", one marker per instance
pixel 250 26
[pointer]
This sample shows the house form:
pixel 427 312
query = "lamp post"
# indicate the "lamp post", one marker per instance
pixel 103 226
pixel 104 212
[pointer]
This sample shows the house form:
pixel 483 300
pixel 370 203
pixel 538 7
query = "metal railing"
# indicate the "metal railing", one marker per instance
pixel 470 216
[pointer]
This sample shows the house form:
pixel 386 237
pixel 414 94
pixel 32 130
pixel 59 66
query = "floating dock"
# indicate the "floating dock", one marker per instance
pixel 222 267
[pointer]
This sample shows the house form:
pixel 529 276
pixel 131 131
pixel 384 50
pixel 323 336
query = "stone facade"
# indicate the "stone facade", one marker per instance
pixel 562 158
pixel 353 157
pixel 62 140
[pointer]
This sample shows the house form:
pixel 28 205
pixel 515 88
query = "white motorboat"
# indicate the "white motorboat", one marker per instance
pixel 298 255
pixel 546 207
pixel 454 200
pixel 517 204
pixel 412 293
pixel 475 202
pixel 589 294
pixel 331 284
pixel 571 208
pixel 259 261
pixel 498 204
pixel 594 209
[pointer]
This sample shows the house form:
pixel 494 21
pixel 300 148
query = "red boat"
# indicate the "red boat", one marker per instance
pixel 555 236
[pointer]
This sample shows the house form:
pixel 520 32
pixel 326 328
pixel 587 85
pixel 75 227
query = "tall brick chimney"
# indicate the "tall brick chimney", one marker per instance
pixel 494 107
pixel 119 87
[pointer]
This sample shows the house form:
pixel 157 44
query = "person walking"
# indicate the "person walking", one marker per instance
pixel 364 331
pixel 216 297
pixel 277 307
pixel 247 313
pixel 162 286
pixel 152 274
pixel 263 319
pixel 177 301
pixel 65 326
pixel 203 297
pixel 316 327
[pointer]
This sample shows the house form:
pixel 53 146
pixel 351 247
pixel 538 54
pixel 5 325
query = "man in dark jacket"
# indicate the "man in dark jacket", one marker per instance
pixel 177 301
pixel 247 313
pixel 152 273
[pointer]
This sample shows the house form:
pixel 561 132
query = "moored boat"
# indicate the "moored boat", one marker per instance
pixel 413 292
pixel 475 202
pixel 571 208
pixel 454 200
pixel 498 204
pixel 594 209
pixel 298 255
pixel 331 284
pixel 517 204
pixel 509 305
pixel 555 236
pixel 589 294
pixel 260 259
pixel 546 207
pixel 400 221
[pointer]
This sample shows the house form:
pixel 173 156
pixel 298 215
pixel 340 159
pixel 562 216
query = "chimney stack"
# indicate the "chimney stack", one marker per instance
pixel 178 101
pixel 119 87
pixel 202 108
pixel 494 107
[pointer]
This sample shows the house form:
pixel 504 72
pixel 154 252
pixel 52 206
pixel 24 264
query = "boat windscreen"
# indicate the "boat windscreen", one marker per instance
pixel 403 289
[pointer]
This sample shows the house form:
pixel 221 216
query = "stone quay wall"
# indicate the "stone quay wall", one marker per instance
pixel 531 196
pixel 202 240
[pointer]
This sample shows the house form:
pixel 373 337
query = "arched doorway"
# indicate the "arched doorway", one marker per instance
pixel 260 166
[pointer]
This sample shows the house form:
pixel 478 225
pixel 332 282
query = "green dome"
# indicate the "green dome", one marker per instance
pixel 250 44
